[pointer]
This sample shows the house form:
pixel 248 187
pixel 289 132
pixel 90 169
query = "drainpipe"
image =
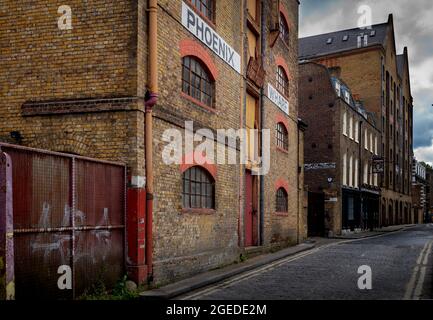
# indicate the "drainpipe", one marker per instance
pixel 262 114
pixel 361 165
pixel 241 125
pixel 150 101
pixel 298 185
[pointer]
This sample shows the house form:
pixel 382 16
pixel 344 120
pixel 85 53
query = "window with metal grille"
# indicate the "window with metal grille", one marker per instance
pixel 282 201
pixel 282 81
pixel 205 7
pixel 196 81
pixel 198 191
pixel 284 30
pixel 282 137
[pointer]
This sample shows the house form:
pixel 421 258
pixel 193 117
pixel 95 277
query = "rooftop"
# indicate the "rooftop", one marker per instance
pixel 343 40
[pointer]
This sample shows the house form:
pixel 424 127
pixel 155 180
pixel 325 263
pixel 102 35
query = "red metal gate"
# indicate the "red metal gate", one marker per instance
pixel 68 212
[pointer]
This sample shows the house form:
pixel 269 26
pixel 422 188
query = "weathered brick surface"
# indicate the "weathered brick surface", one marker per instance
pixel 283 229
pixel 94 60
pixel 362 70
pixel 81 91
pixel 323 110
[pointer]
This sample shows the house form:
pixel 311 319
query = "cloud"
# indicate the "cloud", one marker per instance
pixel 413 29
pixel 425 154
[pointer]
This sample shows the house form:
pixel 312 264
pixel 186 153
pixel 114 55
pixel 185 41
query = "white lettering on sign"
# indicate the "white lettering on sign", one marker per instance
pixel 202 31
pixel 278 99
pixel 320 166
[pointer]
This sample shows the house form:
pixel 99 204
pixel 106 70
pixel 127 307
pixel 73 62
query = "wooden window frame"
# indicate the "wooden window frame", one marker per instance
pixel 198 10
pixel 284 29
pixel 282 137
pixel 204 199
pixel 281 201
pixel 282 81
pixel 207 98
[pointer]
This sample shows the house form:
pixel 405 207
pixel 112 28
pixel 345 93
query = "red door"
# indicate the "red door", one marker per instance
pixel 249 210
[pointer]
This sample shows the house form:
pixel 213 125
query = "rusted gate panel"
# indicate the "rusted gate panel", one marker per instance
pixel 68 211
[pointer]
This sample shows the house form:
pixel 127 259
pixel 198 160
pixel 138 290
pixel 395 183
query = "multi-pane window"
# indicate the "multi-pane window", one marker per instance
pixel 282 81
pixel 282 204
pixel 205 7
pixel 284 29
pixel 344 169
pixel 351 127
pixel 345 123
pixel 198 191
pixel 282 137
pixel 196 81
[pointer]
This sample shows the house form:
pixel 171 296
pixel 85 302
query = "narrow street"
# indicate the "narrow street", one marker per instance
pixel 401 265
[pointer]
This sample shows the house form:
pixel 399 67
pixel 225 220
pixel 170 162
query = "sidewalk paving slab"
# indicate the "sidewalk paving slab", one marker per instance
pixel 208 278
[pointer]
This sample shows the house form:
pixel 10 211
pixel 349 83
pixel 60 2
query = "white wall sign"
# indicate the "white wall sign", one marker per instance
pixel 278 99
pixel 320 166
pixel 202 31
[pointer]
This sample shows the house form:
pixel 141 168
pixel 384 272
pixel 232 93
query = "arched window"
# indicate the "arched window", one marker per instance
pixel 205 7
pixel 198 190
pixel 284 29
pixel 196 81
pixel 282 81
pixel 282 137
pixel 282 203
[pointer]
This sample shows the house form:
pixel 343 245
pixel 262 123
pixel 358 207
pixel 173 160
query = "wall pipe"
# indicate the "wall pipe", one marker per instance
pixel 150 101
pixel 241 125
pixel 262 114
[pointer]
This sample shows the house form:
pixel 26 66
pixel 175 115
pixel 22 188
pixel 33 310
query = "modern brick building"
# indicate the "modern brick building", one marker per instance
pixel 107 79
pixel 429 192
pixel 379 77
pixel 419 191
pixel 340 145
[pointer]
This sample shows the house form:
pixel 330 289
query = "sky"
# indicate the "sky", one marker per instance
pixel 413 24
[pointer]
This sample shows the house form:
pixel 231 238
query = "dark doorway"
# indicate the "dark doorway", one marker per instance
pixel 251 222
pixel 316 214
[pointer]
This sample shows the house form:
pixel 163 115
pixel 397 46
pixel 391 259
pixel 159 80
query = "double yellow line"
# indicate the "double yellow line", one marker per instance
pixel 416 283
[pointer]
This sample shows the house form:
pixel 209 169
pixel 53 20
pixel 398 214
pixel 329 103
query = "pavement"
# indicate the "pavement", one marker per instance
pixel 197 287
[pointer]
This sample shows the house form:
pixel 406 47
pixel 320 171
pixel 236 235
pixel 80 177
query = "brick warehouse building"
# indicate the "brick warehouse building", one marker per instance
pixel 380 78
pixel 124 72
pixel 342 139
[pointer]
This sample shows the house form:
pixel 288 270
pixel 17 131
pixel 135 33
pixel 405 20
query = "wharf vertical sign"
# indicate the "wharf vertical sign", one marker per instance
pixel 199 28
pixel 278 99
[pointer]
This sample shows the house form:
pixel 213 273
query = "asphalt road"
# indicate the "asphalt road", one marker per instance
pixel 401 268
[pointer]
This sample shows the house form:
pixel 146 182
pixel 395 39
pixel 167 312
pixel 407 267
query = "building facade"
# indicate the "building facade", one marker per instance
pixel 379 77
pixel 419 192
pixel 122 80
pixel 340 147
pixel 429 193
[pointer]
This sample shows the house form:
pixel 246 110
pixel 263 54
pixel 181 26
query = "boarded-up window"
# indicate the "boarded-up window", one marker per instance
pixel 252 44
pixel 252 9
pixel 251 124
